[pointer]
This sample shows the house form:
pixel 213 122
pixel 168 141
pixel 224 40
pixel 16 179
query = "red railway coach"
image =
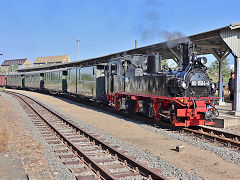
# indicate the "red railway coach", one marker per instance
pixel 3 80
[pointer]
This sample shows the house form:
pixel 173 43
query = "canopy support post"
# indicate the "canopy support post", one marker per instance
pixel 237 86
pixel 220 58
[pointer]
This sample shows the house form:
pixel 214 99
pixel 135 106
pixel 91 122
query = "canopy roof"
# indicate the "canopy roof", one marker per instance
pixel 209 42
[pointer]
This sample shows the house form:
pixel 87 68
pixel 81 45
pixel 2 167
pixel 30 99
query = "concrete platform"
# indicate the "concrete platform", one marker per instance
pixel 11 168
pixel 227 117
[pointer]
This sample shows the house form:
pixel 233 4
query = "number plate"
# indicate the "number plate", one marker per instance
pixel 200 83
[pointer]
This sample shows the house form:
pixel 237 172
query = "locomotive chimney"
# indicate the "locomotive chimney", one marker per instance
pixel 151 64
pixel 185 54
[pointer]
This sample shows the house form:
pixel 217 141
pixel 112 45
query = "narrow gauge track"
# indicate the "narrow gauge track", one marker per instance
pixel 228 139
pixel 86 155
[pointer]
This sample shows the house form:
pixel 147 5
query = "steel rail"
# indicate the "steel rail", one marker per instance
pixel 219 136
pixel 220 133
pixel 124 158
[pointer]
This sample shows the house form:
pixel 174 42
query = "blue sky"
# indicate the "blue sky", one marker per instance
pixel 33 28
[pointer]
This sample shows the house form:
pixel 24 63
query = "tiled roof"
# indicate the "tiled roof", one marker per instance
pixel 59 59
pixel 13 61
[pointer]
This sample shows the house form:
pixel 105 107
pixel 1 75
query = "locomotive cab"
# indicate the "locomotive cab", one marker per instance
pixel 116 75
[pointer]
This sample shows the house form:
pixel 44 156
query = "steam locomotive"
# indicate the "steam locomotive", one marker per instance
pixel 182 97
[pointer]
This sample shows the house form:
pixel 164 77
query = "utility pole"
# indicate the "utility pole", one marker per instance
pixel 78 40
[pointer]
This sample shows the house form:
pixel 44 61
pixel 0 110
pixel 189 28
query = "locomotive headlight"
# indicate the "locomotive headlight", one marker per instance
pixel 202 60
pixel 184 85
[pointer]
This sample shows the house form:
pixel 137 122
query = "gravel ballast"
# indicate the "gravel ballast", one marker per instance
pixel 213 166
pixel 57 168
pixel 224 152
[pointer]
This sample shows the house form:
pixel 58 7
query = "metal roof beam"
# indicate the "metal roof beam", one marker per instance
pixel 225 54
pixel 208 46
pixel 214 52
pixel 178 59
pixel 219 56
pixel 202 37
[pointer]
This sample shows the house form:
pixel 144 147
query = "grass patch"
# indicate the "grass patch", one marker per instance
pixel 4 138
pixel 2 88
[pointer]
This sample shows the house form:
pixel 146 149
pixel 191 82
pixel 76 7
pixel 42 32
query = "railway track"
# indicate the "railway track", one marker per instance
pixel 228 139
pixel 85 154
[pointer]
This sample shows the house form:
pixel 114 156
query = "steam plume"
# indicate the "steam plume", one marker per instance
pixel 152 27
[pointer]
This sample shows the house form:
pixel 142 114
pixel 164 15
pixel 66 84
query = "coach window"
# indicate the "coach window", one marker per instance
pixel 114 69
pixel 123 67
pixel 100 71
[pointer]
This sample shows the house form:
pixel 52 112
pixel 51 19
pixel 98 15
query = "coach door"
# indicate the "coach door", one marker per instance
pixel 64 80
pixel 41 80
pixel 23 81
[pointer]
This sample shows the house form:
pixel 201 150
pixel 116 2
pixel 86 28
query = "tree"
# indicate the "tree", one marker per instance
pixel 213 70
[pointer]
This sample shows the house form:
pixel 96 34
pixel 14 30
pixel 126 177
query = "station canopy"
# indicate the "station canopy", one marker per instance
pixel 218 42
